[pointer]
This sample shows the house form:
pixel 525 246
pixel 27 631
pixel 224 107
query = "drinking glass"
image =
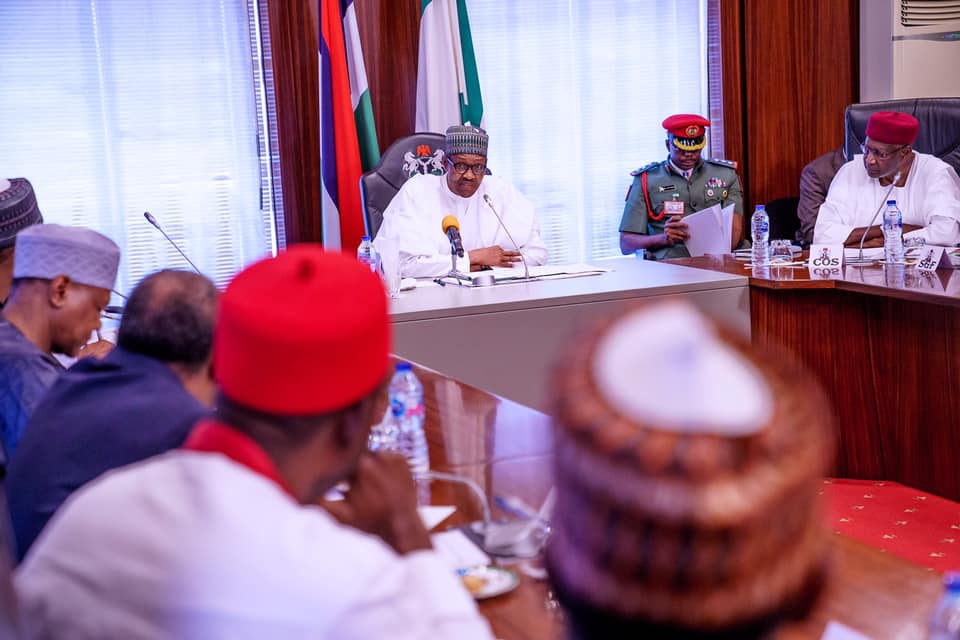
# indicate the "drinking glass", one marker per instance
pixel 780 251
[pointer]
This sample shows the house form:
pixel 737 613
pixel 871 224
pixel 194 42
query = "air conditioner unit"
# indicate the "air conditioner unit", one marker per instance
pixel 909 49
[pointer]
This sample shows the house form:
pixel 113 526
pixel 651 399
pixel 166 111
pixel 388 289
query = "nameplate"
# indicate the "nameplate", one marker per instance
pixel 931 257
pixel 673 207
pixel 825 261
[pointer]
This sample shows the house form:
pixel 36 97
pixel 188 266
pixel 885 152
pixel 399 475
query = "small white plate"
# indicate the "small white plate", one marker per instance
pixel 488 581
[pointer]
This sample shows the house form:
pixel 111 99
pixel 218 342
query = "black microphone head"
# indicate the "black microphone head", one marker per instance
pixel 151 219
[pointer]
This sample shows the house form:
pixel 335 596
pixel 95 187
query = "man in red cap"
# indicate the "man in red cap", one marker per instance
pixel 224 538
pixel 663 192
pixel 926 189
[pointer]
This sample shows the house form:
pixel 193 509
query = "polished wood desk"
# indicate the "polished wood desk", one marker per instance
pixel 507 449
pixel 886 346
pixel 504 339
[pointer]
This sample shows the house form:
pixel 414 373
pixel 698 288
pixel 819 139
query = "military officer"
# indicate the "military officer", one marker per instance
pixel 663 192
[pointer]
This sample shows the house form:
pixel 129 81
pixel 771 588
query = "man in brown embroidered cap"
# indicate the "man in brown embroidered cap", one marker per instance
pixel 685 511
pixel 18 210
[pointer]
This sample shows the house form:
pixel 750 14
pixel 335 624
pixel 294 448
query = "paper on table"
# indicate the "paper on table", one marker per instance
pixel 457 550
pixel 432 515
pixel 870 253
pixel 710 230
pixel 837 631
pixel 547 272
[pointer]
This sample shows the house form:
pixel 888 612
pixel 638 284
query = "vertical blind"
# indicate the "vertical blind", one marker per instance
pixel 574 93
pixel 112 108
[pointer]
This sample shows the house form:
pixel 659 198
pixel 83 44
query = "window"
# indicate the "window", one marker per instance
pixel 114 108
pixel 573 95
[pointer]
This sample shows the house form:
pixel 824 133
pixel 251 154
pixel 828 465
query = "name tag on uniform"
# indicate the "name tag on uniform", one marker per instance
pixel 931 257
pixel 825 261
pixel 673 207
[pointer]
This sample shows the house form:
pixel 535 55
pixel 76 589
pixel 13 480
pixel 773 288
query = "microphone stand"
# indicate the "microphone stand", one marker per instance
pixel 458 277
pixel 860 262
pixel 487 530
pixel 526 268
pixel 153 221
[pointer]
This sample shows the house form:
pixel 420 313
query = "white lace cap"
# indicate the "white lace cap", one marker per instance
pixel 666 366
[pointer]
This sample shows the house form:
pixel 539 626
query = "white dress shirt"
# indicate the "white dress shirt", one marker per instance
pixel 930 198
pixel 415 214
pixel 192 545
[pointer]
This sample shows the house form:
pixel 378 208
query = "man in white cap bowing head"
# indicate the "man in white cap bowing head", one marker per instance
pixel 62 277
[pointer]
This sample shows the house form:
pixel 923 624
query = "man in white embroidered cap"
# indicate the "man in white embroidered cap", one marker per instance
pixel 415 216
pixel 62 277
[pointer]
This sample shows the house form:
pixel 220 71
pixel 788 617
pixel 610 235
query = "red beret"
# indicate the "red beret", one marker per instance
pixel 689 129
pixel 304 333
pixel 892 127
pixel 686 125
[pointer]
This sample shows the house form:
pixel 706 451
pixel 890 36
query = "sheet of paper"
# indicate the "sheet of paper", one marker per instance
pixel 547 272
pixel 432 515
pixel 872 253
pixel 837 631
pixel 726 215
pixel 708 232
pixel 457 550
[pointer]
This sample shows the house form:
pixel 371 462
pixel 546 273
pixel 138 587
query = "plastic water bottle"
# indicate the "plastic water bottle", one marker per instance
pixel 367 254
pixel 760 235
pixel 892 234
pixel 406 406
pixel 945 621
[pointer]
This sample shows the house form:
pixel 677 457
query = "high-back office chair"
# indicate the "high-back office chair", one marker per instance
pixel 419 153
pixel 784 222
pixel 939 118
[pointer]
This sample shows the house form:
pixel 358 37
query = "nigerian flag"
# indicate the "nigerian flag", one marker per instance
pixel 448 88
pixel 359 92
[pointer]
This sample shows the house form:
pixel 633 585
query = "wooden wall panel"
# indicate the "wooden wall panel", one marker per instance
pixel 389 33
pixel 798 71
pixel 294 43
pixel 889 367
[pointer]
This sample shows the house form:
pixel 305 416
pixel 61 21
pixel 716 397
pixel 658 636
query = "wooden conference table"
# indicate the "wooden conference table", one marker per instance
pixel 886 346
pixel 505 338
pixel 507 447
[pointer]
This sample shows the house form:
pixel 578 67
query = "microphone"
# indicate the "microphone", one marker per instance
pixel 883 202
pixel 517 538
pixel 526 269
pixel 451 227
pixel 153 221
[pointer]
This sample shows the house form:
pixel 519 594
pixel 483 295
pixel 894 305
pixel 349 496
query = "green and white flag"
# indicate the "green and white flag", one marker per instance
pixel 359 92
pixel 448 88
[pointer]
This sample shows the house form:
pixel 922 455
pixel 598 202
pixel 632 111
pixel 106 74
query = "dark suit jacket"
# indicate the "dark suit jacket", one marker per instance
pixel 99 415
pixel 814 183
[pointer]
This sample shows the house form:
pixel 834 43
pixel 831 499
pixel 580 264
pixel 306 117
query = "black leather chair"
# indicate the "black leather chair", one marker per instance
pixel 784 222
pixel 419 153
pixel 939 118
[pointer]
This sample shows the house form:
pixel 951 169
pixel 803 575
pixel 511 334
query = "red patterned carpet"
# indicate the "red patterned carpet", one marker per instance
pixel 914 525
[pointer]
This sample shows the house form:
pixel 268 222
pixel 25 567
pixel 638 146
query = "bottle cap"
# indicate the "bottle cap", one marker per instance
pixel 760 207
pixel 404 366
pixel 951 581
pixel 891 202
pixel 365 239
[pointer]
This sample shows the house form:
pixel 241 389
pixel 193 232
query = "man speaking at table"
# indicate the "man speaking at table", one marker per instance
pixel 926 189
pixel 415 216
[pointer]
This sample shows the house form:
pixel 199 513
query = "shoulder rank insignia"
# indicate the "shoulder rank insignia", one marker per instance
pixel 723 163
pixel 648 167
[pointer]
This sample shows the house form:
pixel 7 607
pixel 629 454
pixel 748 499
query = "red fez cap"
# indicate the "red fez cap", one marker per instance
pixel 302 334
pixel 892 127
pixel 688 130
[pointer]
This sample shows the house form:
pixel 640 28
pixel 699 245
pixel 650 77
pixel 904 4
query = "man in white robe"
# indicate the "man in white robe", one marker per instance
pixel 927 190
pixel 415 215
pixel 227 538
